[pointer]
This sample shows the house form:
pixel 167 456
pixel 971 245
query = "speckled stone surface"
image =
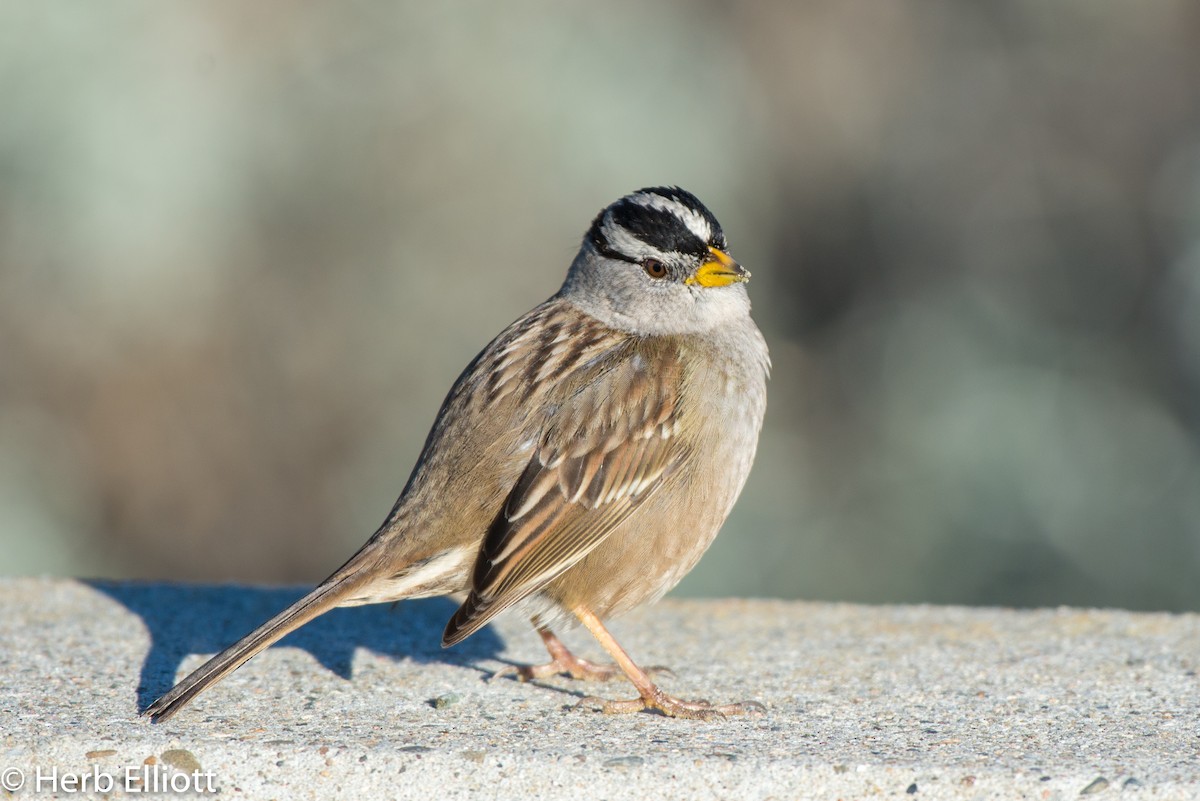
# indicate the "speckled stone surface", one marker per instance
pixel 903 702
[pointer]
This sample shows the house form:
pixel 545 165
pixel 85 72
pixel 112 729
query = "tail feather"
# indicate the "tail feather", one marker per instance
pixel 329 594
pixel 474 614
pixel 464 622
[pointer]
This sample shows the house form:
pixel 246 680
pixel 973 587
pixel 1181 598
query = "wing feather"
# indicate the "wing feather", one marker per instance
pixel 605 448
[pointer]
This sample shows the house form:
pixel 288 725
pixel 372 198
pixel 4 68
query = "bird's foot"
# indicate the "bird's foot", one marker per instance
pixel 573 666
pixel 673 707
pixel 565 663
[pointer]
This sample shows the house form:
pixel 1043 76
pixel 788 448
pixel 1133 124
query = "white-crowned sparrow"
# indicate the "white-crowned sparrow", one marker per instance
pixel 583 462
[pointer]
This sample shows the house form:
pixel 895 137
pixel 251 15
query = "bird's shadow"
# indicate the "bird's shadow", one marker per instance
pixel 186 619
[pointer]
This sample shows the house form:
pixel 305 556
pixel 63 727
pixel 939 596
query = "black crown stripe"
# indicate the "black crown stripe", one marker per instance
pixel 659 228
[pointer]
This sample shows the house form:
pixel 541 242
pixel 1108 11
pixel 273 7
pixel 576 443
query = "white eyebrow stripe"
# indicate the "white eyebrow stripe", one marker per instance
pixel 696 222
pixel 625 243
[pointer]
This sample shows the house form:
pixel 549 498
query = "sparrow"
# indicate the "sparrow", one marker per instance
pixel 582 463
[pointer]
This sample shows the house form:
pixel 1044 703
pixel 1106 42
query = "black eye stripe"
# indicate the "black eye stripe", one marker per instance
pixel 601 244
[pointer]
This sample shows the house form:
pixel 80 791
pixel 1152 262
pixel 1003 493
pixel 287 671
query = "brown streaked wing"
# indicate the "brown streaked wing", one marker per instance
pixel 609 446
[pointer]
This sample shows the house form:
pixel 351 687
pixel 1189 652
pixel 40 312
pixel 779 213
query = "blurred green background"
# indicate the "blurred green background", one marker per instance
pixel 246 247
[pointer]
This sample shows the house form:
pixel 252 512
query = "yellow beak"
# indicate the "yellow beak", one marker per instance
pixel 720 270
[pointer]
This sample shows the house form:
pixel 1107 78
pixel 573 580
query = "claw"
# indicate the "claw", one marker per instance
pixel 673 707
pixel 520 672
pixel 562 662
pixel 650 697
pixel 576 668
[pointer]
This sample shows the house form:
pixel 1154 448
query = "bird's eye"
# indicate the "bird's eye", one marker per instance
pixel 654 268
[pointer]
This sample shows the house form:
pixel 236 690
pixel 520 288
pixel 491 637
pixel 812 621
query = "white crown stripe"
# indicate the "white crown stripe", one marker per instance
pixel 696 222
pixel 620 240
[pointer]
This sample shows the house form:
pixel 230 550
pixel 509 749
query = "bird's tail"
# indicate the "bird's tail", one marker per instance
pixel 330 593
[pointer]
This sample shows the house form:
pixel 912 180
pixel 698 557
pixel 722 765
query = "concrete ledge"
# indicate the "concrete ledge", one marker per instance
pixel 924 702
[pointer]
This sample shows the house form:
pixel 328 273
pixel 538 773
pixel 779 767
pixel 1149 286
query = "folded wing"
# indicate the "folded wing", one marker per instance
pixel 609 444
